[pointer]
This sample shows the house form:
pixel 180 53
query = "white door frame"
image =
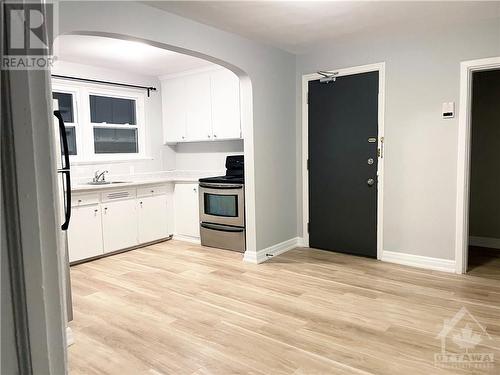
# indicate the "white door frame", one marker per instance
pixel 463 159
pixel 380 68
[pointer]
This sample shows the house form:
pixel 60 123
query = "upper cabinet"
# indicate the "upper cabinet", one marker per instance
pixel 202 106
pixel 174 104
pixel 225 95
pixel 198 107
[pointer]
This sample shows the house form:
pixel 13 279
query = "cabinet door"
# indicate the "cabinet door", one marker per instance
pixel 152 217
pixel 198 111
pixel 174 110
pixel 85 233
pixel 187 222
pixel 119 225
pixel 225 89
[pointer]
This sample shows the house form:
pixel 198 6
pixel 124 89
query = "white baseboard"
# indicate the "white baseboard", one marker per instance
pixel 180 237
pixel 490 242
pixel 437 264
pixel 272 251
pixel 70 338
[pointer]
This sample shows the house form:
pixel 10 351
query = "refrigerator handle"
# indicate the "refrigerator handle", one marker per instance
pixel 67 208
pixel 64 139
pixel 65 170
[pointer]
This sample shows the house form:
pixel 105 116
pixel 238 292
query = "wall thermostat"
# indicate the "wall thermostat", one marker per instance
pixel 449 110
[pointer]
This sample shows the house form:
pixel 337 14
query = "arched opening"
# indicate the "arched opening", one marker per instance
pixel 246 117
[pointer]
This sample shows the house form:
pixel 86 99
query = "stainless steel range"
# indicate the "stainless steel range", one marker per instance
pixel 222 207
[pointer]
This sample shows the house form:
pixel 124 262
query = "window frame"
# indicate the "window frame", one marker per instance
pixel 85 132
pixel 69 89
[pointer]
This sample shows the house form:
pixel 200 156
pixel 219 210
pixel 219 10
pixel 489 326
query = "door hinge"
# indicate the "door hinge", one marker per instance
pixel 308 97
pixel 307 166
pixel 308 227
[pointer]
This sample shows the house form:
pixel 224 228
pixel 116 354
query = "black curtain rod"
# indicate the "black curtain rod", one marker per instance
pixel 148 88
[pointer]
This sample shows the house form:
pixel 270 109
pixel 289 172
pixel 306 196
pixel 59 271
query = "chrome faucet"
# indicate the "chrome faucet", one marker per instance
pixel 97 176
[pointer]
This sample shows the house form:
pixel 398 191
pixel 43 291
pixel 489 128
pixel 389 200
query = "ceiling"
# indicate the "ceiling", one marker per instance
pixel 295 26
pixel 133 57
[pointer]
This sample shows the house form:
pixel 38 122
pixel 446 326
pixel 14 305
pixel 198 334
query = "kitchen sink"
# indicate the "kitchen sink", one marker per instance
pixel 106 182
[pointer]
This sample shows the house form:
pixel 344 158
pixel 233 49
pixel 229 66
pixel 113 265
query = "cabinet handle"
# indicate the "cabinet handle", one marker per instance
pixel 105 210
pixel 194 189
pixel 140 203
pixel 152 191
pixel 79 201
pixel 215 135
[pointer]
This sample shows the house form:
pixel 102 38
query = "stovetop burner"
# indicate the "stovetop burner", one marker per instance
pixel 234 172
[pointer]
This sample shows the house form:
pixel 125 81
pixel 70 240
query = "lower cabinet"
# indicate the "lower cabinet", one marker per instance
pixel 85 233
pixel 118 219
pixel 152 218
pixel 119 225
pixel 187 215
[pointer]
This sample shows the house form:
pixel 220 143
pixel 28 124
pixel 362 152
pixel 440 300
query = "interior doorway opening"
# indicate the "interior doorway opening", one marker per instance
pixel 484 200
pixel 463 239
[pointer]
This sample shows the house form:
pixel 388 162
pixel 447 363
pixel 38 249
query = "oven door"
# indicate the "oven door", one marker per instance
pixel 222 204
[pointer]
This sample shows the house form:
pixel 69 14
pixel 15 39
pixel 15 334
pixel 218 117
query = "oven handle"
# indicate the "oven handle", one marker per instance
pixel 220 186
pixel 222 228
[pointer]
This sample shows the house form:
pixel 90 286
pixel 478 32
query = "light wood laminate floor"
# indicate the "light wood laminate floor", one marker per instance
pixel 178 308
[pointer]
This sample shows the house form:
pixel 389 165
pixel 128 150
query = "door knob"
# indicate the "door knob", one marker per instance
pixel 370 161
pixel 370 182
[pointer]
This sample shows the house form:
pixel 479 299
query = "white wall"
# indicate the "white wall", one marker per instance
pixel 272 106
pixel 422 71
pixel 205 156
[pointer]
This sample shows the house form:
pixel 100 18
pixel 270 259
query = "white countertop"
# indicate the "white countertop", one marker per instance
pixel 81 185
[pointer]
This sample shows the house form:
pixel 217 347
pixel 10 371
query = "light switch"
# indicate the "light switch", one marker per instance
pixel 449 110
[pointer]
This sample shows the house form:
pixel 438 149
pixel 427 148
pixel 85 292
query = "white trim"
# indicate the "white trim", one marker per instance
pixel 70 337
pixel 180 237
pixel 489 242
pixel 463 158
pixel 263 255
pixel 380 67
pixel 437 264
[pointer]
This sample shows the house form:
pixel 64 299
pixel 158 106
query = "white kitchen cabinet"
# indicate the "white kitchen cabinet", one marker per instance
pixel 187 216
pixel 152 218
pixel 203 106
pixel 225 100
pixel 85 233
pixel 119 224
pixel 198 107
pixel 174 103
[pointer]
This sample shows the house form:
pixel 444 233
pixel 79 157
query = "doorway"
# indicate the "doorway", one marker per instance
pixel 484 200
pixel 343 151
pixel 468 182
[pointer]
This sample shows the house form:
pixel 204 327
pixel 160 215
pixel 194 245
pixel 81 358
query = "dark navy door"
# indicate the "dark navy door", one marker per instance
pixel 343 135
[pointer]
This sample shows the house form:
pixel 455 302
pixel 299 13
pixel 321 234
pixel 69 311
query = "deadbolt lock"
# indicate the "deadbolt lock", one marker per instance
pixel 370 161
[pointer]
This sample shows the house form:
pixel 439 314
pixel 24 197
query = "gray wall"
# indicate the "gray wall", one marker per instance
pixel 8 353
pixel 485 156
pixel 422 72
pixel 273 96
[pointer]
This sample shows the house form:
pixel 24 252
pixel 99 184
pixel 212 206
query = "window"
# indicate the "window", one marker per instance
pixel 114 125
pixel 65 103
pixel 110 125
